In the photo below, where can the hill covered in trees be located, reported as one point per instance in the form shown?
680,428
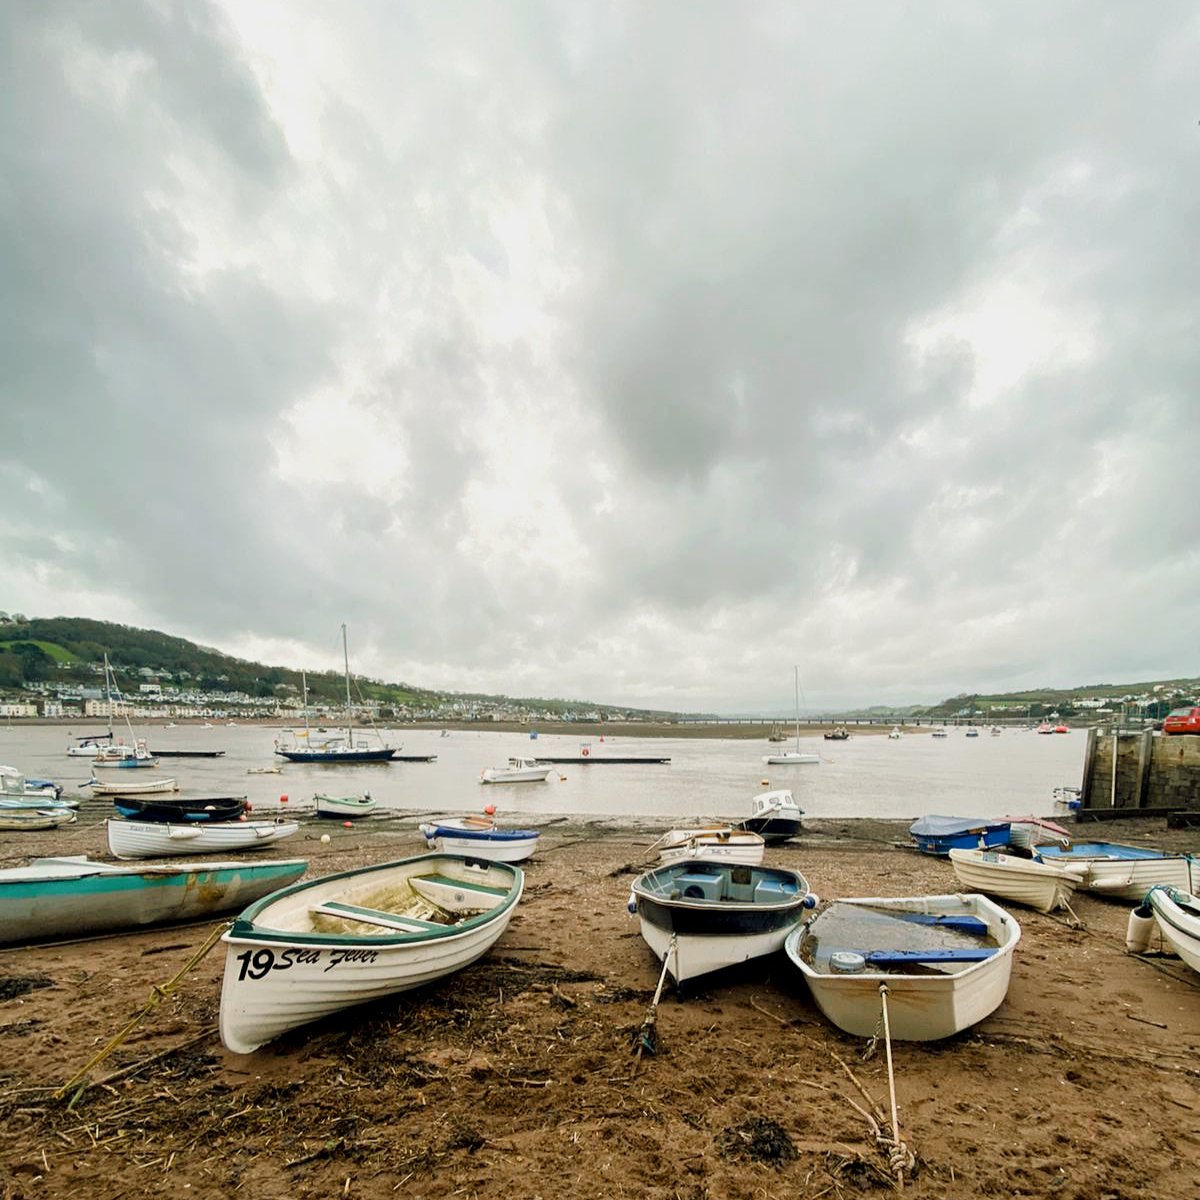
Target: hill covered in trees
60,649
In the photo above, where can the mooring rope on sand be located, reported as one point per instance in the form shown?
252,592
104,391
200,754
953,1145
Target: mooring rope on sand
157,993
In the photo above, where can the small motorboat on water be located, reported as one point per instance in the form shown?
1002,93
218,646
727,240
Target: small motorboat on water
701,915
325,945
841,734
519,770
944,962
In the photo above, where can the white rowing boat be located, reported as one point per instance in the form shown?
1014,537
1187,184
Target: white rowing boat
159,839
713,842
319,947
1044,886
945,960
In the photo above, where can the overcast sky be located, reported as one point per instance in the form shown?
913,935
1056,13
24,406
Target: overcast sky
621,351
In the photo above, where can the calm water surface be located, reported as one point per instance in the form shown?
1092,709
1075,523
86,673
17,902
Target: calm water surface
868,776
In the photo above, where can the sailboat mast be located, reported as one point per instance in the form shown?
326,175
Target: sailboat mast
796,672
346,662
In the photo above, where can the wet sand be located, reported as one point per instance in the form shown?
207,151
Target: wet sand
516,1077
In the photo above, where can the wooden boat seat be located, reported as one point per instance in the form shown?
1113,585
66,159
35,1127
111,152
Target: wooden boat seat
897,958
374,916
461,886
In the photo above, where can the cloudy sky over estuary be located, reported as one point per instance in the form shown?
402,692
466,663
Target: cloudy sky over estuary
622,351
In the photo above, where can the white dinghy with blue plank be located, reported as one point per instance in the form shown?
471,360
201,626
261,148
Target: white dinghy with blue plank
703,915
67,897
945,961
939,835
328,944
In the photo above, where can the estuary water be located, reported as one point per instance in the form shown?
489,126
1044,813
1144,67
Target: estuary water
867,776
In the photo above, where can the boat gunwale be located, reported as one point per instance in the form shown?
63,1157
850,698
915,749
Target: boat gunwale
703,904
791,946
244,930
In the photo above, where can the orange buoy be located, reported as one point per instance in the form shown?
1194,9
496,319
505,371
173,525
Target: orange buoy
348,824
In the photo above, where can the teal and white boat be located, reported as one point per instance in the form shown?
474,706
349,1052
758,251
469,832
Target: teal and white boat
61,897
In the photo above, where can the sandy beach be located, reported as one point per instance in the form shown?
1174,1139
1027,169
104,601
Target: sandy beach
516,1076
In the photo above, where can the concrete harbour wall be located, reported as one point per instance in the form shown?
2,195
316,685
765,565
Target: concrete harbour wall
1151,772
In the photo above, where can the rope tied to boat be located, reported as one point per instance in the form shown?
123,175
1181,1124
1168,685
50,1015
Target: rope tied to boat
900,1157
646,1038
158,992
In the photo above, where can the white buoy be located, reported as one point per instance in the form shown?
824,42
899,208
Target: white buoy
1139,930
325,838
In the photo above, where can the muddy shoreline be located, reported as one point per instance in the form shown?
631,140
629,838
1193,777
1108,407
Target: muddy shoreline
516,1076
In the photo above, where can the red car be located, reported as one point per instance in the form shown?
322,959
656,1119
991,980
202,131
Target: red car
1182,720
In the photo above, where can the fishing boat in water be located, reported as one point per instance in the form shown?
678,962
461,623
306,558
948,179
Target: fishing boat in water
943,961
702,915
66,897
322,946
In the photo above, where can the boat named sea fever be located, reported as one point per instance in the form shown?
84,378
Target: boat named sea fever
945,960
704,915
939,835
480,837
60,897
319,947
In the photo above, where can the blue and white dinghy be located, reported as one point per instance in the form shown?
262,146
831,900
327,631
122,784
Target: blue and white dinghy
939,835
945,960
66,897
702,915
1120,871
327,944
480,837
